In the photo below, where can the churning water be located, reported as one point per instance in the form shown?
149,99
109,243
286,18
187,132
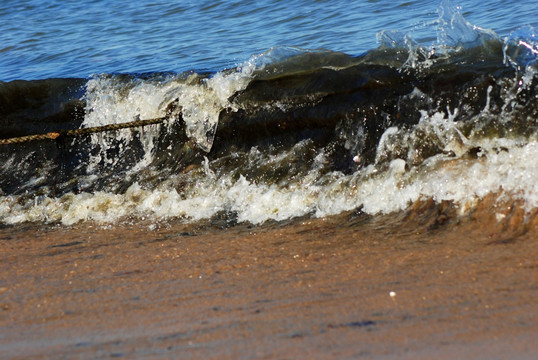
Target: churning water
271,109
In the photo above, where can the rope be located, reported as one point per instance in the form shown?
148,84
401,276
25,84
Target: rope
81,132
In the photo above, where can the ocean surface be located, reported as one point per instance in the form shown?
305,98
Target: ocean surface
264,110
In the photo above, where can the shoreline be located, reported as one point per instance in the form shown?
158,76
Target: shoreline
420,284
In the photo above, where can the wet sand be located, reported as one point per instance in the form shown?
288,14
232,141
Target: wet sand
422,284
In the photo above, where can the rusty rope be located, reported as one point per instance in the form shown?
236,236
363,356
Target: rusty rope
81,132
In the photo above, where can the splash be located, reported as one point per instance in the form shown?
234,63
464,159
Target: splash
199,99
294,132
454,34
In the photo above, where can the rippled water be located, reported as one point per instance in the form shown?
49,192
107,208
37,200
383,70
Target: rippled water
44,39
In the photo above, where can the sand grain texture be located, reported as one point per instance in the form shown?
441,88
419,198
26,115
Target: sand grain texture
421,284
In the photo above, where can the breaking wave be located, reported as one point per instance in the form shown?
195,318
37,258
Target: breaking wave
288,133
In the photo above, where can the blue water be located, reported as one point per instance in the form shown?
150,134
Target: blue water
67,38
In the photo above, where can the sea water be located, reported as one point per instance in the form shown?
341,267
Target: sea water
271,110
46,39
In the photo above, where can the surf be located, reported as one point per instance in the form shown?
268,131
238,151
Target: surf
287,133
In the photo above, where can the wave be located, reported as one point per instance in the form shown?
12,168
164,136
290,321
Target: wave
288,133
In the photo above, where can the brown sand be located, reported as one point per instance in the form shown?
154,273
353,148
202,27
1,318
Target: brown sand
462,287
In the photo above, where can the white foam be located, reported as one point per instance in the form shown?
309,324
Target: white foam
461,181
503,166
111,100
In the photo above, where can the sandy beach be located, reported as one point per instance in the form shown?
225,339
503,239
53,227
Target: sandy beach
269,180
422,284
